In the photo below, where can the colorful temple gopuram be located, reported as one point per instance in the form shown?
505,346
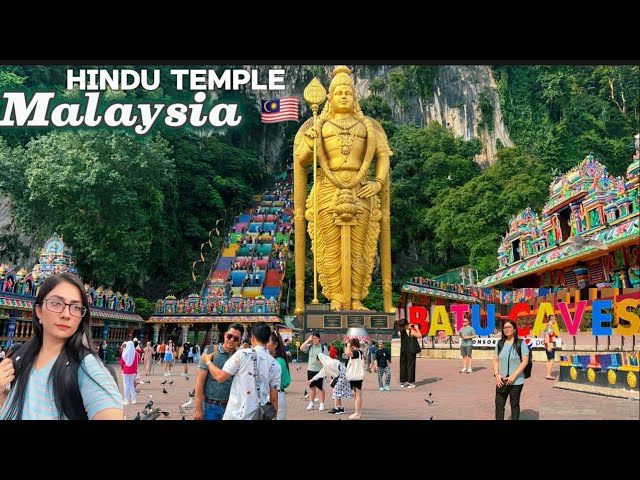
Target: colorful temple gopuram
585,236
244,284
113,316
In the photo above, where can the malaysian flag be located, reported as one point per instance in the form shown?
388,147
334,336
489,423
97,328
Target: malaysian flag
279,110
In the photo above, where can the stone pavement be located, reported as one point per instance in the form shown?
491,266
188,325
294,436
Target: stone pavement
456,396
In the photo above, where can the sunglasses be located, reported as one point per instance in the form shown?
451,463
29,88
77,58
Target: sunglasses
232,337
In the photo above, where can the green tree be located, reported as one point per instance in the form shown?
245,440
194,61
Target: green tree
470,220
104,191
426,162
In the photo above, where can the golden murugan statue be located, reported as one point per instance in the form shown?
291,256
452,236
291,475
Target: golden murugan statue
352,203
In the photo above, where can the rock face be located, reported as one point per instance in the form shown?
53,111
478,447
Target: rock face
459,92
16,250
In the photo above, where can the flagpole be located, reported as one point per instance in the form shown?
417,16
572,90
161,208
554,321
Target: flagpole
315,94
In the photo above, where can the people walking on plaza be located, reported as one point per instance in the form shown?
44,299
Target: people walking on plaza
211,397
160,349
467,334
371,355
184,358
148,359
407,359
341,386
354,354
276,349
508,369
247,382
129,363
381,361
57,375
549,344
312,345
168,357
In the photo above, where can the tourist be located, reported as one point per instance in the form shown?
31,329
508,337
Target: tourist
58,362
467,334
312,345
211,396
549,344
508,370
276,349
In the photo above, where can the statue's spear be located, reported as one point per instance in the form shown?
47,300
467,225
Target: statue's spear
314,95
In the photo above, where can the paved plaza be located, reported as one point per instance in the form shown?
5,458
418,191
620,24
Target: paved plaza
456,396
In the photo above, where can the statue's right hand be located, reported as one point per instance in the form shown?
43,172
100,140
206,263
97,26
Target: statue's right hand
310,135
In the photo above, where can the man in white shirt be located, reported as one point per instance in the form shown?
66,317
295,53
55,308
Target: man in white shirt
244,397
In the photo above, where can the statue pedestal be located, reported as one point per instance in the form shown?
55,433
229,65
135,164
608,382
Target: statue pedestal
333,324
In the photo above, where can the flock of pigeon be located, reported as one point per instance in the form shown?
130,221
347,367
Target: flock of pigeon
150,413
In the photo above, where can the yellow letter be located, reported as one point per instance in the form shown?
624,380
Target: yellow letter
624,314
544,309
440,321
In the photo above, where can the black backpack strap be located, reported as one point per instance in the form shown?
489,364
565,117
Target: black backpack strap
500,345
519,348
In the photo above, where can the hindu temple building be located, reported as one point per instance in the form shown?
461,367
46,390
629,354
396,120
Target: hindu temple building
583,245
113,316
244,283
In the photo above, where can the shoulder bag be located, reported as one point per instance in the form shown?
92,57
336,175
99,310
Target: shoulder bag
355,368
264,412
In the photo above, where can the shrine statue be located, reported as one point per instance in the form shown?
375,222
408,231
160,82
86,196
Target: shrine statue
351,197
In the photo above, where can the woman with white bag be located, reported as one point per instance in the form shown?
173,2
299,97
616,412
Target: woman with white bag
355,373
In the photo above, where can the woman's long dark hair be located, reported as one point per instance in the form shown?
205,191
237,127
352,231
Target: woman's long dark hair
64,373
277,339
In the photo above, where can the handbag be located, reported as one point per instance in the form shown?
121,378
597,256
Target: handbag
267,411
355,368
334,381
414,346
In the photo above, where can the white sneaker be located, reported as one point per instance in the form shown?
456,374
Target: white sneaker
402,385
321,408
133,402
387,388
469,370
463,370
125,402
381,389
411,385
310,406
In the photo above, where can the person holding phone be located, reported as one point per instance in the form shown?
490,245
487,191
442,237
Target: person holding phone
407,359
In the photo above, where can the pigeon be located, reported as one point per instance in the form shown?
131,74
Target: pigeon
581,242
192,393
164,390
149,405
183,418
430,418
137,417
188,404
429,393
171,382
162,383
181,410
152,415
186,378
166,414
429,402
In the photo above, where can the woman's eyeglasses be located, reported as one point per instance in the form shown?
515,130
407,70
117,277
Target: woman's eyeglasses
57,306
232,337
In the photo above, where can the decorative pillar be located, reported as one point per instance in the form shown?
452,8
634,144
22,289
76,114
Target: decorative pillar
185,330
156,332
